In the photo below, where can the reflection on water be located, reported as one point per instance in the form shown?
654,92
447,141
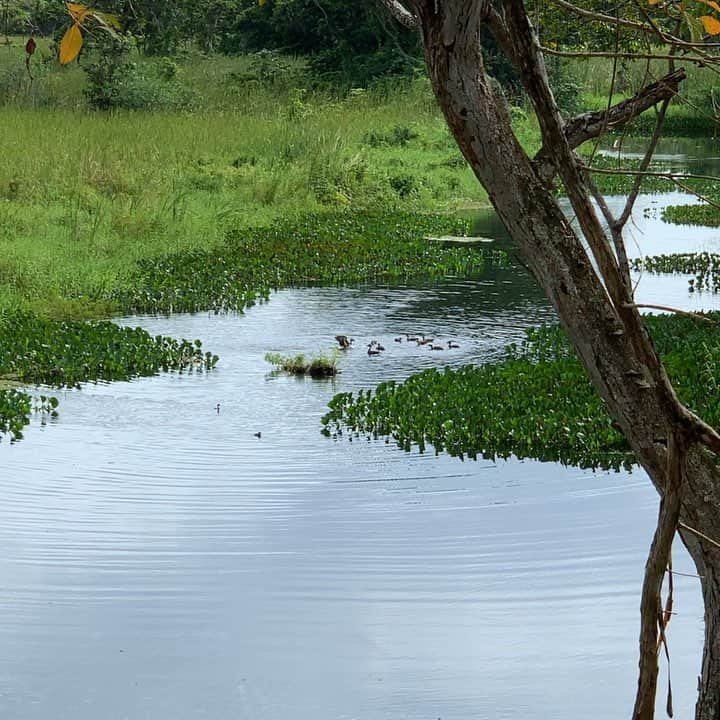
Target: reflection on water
700,156
160,561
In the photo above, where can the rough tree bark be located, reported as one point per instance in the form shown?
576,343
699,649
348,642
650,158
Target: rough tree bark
589,288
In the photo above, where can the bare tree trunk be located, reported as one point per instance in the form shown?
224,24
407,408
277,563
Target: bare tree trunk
599,314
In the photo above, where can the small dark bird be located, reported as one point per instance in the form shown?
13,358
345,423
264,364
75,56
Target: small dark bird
452,345
344,341
398,339
411,338
217,408
437,347
372,350
257,434
379,346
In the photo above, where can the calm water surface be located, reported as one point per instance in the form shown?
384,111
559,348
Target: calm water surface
160,561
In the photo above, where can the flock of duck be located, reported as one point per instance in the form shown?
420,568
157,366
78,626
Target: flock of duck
375,348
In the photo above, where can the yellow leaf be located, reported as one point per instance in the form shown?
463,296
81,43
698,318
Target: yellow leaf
711,3
711,25
78,12
70,44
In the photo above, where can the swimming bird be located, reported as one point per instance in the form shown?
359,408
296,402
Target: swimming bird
437,347
344,341
372,350
398,339
452,345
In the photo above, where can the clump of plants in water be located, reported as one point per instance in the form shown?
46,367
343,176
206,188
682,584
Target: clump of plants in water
321,366
553,412
706,215
15,409
39,351
705,266
318,248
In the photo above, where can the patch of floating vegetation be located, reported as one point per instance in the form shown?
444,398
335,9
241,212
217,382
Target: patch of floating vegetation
331,248
704,266
39,351
706,215
322,365
15,409
536,403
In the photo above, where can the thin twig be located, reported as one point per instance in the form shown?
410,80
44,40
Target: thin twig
586,54
666,308
699,534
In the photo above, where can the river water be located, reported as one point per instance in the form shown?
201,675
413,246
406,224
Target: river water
161,561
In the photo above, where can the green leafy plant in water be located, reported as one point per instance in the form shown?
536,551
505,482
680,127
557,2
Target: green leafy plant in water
40,351
705,215
704,266
311,249
551,413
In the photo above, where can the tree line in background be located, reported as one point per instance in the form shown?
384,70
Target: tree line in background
344,40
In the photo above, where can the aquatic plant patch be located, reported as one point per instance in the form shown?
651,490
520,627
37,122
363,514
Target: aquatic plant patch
35,350
705,215
311,249
704,266
39,351
15,410
536,403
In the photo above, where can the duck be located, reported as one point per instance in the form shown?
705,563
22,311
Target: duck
372,350
437,347
452,345
344,341
398,339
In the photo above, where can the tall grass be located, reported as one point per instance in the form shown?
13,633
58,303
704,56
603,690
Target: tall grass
84,195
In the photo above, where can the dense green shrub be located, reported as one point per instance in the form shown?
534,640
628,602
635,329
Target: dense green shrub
115,81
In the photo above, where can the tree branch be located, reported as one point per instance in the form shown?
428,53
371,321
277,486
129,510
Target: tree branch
701,60
590,125
651,609
401,13
633,25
